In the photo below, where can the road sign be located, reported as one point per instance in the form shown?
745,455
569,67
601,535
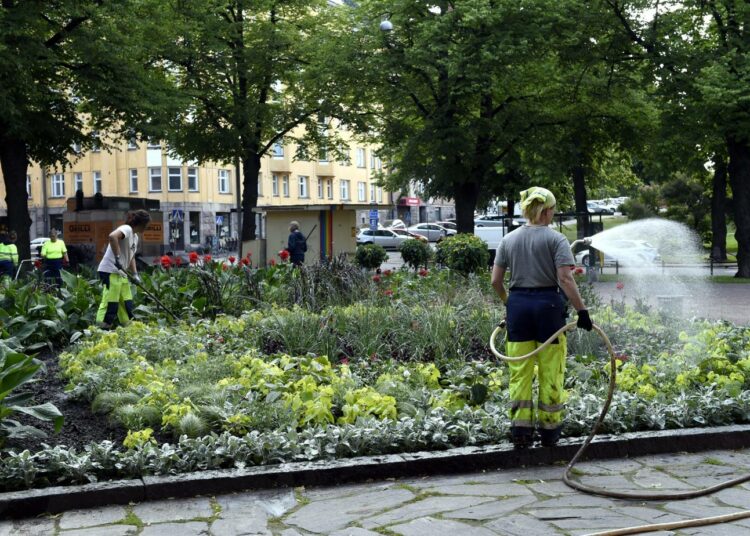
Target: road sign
373,218
219,220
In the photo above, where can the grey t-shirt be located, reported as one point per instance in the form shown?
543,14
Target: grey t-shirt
532,255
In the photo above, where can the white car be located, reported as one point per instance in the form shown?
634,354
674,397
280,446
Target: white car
629,252
451,226
432,231
36,245
597,208
382,237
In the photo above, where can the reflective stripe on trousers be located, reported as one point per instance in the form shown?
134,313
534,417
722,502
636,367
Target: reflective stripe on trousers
550,365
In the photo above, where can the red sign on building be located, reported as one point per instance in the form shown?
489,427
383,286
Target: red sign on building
409,201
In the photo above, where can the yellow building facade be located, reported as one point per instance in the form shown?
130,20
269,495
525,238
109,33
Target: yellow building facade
200,201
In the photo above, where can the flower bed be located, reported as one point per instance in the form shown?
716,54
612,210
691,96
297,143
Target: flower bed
405,368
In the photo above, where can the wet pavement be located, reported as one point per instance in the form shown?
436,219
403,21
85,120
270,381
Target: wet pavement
518,502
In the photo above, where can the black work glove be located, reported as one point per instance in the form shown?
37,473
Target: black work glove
584,320
118,264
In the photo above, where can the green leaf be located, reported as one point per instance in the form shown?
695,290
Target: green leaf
44,412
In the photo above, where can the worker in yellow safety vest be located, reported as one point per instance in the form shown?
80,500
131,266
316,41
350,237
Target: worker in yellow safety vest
8,254
540,263
54,254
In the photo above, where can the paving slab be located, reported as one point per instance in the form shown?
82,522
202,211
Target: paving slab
173,510
428,526
176,529
111,530
521,525
486,490
423,508
27,527
492,509
91,517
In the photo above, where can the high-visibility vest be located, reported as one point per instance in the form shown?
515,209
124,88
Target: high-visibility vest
53,250
9,252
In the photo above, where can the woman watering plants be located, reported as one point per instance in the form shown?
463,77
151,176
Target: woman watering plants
54,254
539,261
117,298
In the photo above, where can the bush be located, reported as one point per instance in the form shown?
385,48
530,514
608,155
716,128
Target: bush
370,256
415,252
464,253
636,210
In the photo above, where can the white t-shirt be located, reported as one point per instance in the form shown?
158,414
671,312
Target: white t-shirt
128,247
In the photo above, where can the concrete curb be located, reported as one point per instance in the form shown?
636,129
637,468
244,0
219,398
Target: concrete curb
453,461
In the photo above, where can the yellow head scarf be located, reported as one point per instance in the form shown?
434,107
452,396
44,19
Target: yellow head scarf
537,193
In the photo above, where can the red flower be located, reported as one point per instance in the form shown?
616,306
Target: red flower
206,258
231,259
166,262
572,268
376,278
388,293
622,357
224,266
283,254
344,360
620,285
37,264
193,257
387,273
178,261
245,261
272,262
423,272
579,270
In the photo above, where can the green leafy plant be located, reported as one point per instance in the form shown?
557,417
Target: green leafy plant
463,253
415,253
17,369
370,256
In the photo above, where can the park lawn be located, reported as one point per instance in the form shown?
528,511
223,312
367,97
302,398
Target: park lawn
570,229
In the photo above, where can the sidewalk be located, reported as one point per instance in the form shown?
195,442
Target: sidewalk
521,502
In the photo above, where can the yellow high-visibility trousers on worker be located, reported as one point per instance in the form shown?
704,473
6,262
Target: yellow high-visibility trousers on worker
547,413
117,299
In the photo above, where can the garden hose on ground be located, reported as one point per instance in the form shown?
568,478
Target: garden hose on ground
567,478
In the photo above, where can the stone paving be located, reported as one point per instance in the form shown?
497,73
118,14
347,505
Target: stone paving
520,502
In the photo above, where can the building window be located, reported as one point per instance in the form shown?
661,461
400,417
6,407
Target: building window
303,192
95,144
133,181
76,148
132,144
260,184
360,157
154,184
153,144
329,188
223,181
28,186
372,192
344,160
275,185
78,180
378,163
323,155
175,179
380,195
320,187
58,185
97,182
372,160
278,150
361,191
285,185
344,190
192,176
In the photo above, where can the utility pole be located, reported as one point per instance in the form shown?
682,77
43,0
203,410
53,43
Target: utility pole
238,188
45,207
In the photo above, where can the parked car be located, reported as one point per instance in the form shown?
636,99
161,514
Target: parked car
596,208
408,234
450,225
387,238
633,252
394,224
432,231
36,245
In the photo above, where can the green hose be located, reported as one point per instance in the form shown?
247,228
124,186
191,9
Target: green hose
567,477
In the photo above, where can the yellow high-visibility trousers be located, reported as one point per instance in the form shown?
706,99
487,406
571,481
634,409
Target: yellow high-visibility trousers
117,300
550,368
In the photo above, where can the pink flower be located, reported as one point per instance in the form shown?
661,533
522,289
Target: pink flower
283,254
344,360
272,262
579,270
622,357
388,293
620,285
423,272
388,273
245,261
193,257
231,259
376,278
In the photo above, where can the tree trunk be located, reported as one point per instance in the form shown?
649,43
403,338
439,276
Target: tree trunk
466,197
250,170
15,162
718,210
579,192
739,178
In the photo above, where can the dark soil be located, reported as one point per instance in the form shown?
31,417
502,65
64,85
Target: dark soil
81,425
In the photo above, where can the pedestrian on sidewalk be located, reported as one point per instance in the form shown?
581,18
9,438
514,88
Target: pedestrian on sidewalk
8,254
540,263
296,244
117,297
54,255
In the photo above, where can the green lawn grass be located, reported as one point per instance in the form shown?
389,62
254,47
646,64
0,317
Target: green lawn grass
570,229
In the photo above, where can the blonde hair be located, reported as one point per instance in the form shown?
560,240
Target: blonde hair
536,200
